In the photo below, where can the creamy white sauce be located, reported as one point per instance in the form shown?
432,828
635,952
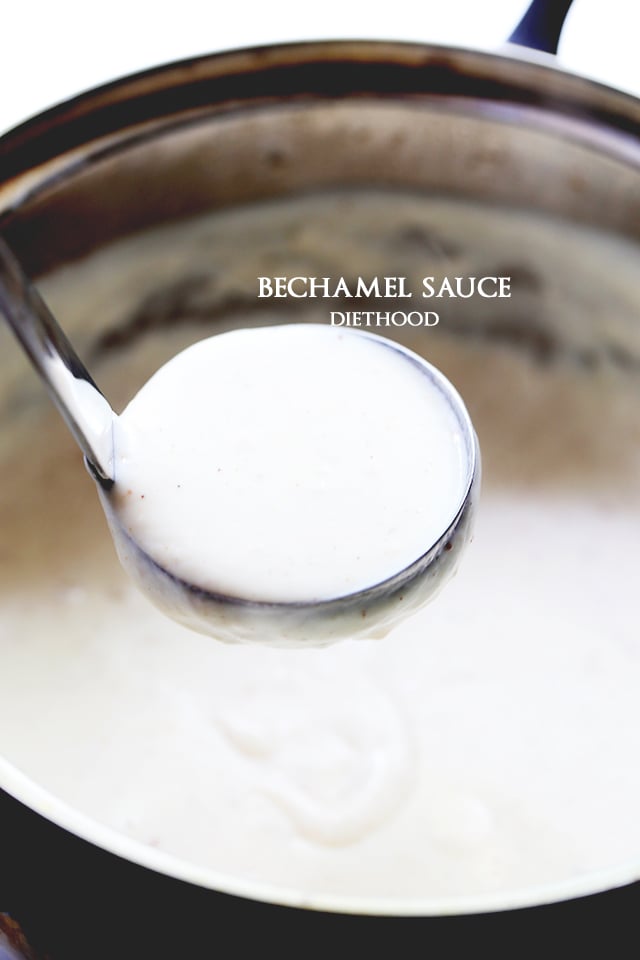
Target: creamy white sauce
488,746
265,464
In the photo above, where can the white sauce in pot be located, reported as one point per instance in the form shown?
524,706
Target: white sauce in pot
488,746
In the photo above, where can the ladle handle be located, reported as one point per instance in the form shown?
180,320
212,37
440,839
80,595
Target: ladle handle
84,408
541,25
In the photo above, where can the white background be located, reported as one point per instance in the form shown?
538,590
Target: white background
53,49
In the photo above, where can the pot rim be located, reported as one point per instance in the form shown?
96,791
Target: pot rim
40,800
261,75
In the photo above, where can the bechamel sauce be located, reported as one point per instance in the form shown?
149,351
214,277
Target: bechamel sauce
265,463
488,746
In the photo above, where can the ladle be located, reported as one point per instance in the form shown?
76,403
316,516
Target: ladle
84,408
370,611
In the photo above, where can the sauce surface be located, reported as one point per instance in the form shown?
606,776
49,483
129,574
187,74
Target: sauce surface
488,747
266,463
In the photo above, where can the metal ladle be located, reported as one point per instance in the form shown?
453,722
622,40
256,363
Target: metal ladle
368,612
85,409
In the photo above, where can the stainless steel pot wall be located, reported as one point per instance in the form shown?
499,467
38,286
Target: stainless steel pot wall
238,128
235,128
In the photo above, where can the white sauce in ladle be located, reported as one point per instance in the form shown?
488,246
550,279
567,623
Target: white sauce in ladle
264,465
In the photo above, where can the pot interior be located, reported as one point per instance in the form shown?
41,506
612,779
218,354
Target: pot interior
477,758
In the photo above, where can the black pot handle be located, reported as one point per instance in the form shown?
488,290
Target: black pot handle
541,25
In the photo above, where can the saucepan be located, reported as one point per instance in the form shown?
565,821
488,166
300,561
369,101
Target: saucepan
308,158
